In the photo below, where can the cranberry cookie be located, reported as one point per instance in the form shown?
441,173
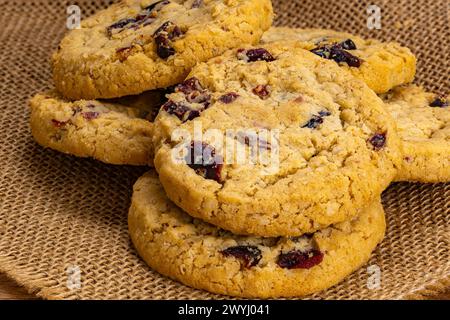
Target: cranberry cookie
206,257
325,145
109,132
423,122
381,65
139,45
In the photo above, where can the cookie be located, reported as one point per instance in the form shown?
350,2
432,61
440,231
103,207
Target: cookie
380,65
109,132
206,257
134,45
312,144
423,123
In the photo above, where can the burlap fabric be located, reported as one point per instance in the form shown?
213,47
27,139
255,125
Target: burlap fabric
59,212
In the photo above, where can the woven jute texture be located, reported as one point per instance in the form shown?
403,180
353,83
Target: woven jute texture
60,214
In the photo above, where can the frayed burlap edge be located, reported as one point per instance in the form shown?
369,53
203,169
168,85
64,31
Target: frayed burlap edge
36,283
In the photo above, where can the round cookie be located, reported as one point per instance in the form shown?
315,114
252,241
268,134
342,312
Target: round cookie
326,146
381,65
423,123
135,45
109,132
206,257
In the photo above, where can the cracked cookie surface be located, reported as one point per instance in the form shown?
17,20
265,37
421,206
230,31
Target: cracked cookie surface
109,132
382,65
206,257
134,46
423,123
336,149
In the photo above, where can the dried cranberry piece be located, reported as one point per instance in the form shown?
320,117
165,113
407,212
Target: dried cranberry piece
163,47
203,159
59,124
181,110
316,120
249,255
194,91
90,115
439,102
145,17
164,28
347,44
324,113
337,53
189,85
378,141
148,14
262,91
344,56
175,33
166,32
202,97
119,25
300,260
259,54
323,52
228,97
160,4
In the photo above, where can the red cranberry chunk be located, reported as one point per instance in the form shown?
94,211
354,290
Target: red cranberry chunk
262,91
300,260
324,113
337,53
163,36
202,97
194,91
248,255
316,120
169,29
189,85
163,47
203,160
157,5
181,110
378,141
90,115
346,57
228,98
120,25
259,54
59,124
347,44
439,102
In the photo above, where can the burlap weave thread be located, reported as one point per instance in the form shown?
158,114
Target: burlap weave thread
59,212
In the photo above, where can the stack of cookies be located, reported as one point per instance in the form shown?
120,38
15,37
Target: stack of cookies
271,146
